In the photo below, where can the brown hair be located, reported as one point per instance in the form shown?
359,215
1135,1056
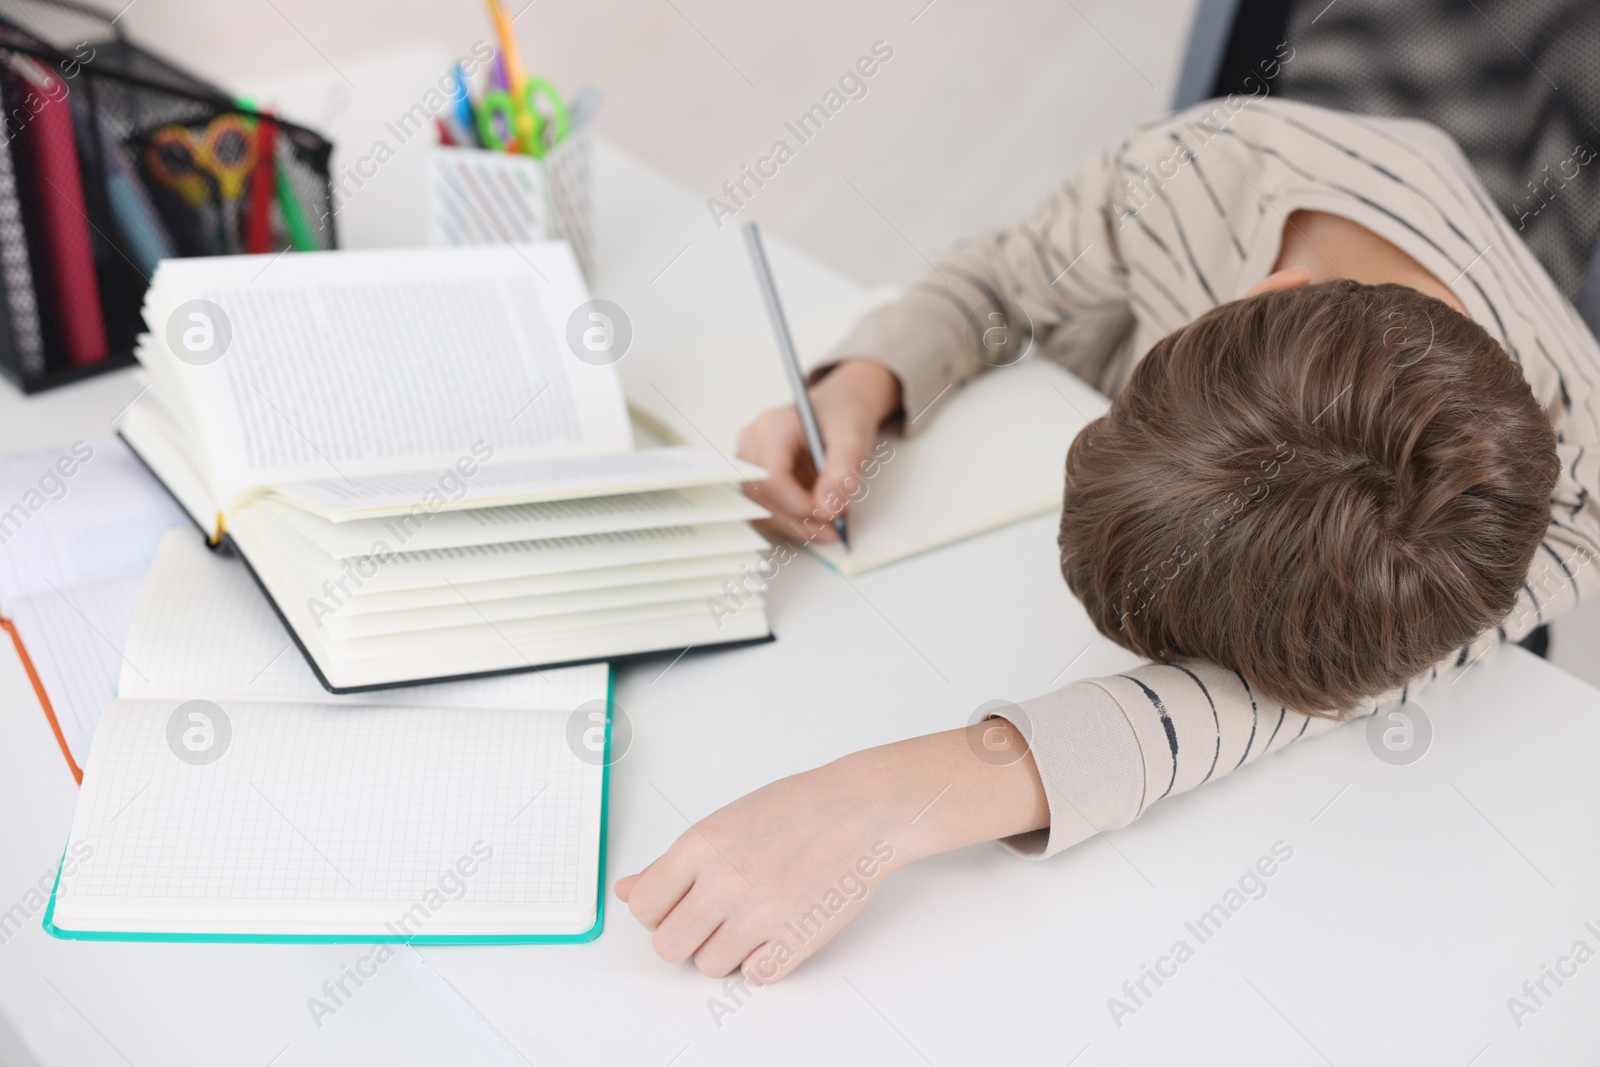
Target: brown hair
1327,489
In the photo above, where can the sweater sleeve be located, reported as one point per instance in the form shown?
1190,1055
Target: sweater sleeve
1108,748
1055,280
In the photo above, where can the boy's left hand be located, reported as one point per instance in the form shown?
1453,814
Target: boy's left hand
763,883
766,881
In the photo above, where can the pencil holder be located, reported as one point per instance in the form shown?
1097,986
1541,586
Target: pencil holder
476,196
112,159
570,168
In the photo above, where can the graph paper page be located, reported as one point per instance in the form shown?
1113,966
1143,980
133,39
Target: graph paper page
334,820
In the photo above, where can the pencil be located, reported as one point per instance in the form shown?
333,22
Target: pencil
791,361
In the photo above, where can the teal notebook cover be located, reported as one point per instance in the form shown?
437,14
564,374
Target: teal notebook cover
376,939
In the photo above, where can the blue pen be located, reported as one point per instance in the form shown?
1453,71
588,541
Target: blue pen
464,116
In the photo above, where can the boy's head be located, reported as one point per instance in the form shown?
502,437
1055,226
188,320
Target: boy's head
1327,489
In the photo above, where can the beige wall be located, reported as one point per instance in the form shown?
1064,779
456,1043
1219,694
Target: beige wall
982,107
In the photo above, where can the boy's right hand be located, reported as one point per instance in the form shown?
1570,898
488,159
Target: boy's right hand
851,403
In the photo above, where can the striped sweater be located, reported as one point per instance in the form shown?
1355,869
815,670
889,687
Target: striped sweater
1181,215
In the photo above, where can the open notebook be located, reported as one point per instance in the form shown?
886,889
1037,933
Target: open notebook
227,797
993,454
74,550
421,473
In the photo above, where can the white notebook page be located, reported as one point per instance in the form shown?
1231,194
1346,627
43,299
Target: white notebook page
105,519
70,571
995,453
321,819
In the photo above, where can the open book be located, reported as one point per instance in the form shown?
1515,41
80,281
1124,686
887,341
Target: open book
228,797
420,472
993,454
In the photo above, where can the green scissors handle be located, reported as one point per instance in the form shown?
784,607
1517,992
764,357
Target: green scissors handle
508,124
552,125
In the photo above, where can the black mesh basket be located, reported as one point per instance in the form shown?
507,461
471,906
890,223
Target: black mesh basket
112,159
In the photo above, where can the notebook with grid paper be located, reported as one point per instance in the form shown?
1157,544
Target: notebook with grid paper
227,797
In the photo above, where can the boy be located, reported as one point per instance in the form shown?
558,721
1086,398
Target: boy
1353,431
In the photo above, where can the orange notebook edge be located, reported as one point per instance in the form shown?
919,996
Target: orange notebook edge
44,698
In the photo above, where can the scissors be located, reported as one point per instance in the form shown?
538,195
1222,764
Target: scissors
510,120
220,157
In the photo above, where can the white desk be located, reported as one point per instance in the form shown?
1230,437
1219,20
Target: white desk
1415,903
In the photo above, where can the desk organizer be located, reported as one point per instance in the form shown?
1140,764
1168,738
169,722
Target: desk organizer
112,159
476,196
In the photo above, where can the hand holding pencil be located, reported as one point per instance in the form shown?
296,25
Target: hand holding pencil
850,404
813,449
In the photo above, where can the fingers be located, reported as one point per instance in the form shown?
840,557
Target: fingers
804,507
728,947
656,890
776,958
847,443
776,443
688,926
688,922
768,962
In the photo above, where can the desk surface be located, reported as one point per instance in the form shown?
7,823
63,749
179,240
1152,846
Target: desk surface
1416,901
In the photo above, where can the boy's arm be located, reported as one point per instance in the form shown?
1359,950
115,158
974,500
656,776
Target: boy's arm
1057,278
762,883
1107,748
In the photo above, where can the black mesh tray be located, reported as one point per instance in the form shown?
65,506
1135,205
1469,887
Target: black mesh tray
110,158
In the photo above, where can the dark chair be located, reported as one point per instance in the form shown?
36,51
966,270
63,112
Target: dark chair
1515,82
